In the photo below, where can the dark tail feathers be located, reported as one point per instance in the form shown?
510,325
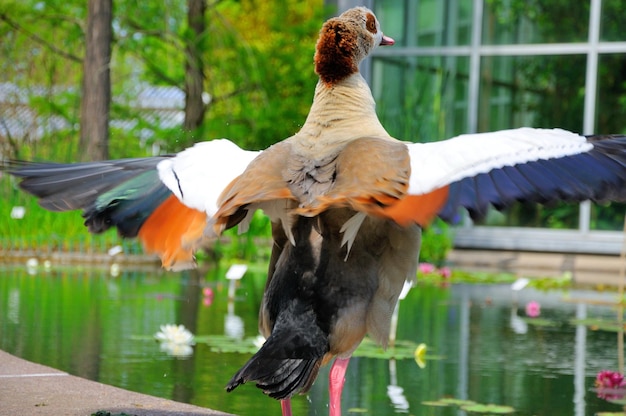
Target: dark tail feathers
289,360
278,378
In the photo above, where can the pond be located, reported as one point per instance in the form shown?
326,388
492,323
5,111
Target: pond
480,344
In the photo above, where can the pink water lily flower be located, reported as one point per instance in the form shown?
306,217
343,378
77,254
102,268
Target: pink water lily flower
533,309
445,272
426,268
610,385
608,378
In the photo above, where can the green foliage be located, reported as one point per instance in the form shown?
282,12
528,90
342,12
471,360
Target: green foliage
262,84
436,243
258,59
252,246
259,75
42,230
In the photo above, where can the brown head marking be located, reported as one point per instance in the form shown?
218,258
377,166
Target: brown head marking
334,56
370,24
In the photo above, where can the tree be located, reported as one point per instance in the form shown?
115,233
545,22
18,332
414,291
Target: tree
252,58
194,66
40,71
96,98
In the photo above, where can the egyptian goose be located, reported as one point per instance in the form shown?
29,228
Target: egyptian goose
347,203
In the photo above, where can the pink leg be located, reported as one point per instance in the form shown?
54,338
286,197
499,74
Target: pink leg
335,384
285,407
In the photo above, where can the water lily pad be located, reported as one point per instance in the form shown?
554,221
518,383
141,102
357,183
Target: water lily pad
541,322
615,400
448,401
402,350
487,409
600,324
458,402
471,406
438,403
368,348
223,343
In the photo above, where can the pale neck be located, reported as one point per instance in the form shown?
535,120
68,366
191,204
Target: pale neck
341,112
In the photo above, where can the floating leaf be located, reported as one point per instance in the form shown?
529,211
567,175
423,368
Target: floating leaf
471,406
600,324
487,408
541,322
401,350
368,348
457,402
438,403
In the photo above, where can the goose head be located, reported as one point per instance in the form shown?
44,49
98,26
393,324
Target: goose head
345,41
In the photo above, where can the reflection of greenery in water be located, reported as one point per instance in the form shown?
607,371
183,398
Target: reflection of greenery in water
86,322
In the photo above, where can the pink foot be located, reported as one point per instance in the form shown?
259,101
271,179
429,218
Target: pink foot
335,384
285,407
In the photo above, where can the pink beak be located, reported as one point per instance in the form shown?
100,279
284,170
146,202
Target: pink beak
387,41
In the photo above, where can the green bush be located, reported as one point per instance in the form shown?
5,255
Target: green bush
436,243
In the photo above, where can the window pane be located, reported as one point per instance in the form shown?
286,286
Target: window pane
610,119
611,103
422,99
535,21
613,23
427,22
538,91
558,216
607,216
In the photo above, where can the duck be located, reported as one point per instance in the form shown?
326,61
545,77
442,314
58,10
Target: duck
347,204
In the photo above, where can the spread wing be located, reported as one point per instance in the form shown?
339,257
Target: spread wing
165,201
475,171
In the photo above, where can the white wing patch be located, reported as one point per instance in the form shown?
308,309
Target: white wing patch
437,164
199,174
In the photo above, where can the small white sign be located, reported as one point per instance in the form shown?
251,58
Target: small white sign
17,213
236,271
115,250
520,283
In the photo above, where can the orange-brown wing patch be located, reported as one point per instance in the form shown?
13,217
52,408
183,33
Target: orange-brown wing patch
173,231
421,209
373,177
261,181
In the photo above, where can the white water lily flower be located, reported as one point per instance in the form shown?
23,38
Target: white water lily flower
177,334
176,350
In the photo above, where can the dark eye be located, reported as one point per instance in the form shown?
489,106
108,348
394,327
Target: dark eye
371,23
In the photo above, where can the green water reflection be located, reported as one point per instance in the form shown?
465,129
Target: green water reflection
86,322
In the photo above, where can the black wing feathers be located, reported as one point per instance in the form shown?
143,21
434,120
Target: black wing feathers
120,193
598,175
